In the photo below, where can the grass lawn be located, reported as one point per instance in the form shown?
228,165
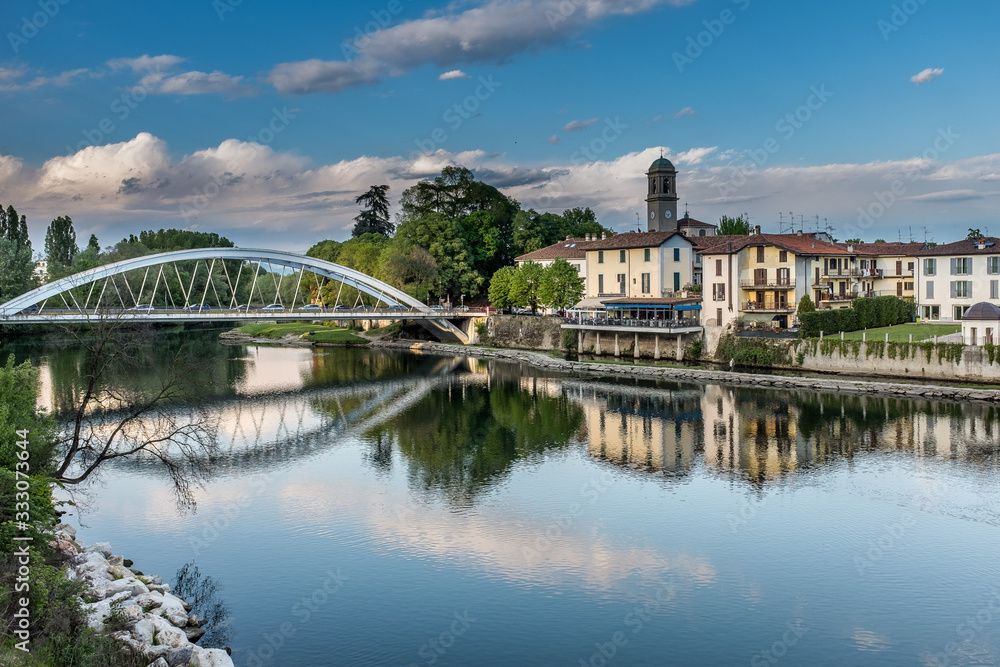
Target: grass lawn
900,333
322,334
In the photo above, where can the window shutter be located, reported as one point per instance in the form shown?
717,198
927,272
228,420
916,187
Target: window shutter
954,266
954,287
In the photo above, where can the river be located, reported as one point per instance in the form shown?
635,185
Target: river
374,507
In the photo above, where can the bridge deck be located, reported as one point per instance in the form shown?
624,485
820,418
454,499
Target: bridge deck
47,317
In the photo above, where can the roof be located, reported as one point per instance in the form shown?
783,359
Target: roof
703,242
878,249
568,249
800,245
661,164
691,222
964,247
635,240
982,311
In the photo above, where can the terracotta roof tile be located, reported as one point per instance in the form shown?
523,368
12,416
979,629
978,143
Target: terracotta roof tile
895,248
800,245
568,249
634,240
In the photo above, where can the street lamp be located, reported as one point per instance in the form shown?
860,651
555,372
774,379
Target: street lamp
462,298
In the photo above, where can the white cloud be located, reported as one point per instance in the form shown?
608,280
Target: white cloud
260,197
200,83
554,139
453,74
146,63
927,75
12,80
492,32
577,125
686,111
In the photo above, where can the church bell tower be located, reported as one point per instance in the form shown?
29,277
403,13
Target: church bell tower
661,196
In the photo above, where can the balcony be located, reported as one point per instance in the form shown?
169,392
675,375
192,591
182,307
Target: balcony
769,284
767,306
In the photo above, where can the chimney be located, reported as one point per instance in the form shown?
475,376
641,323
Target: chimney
850,247
567,237
604,235
799,233
757,228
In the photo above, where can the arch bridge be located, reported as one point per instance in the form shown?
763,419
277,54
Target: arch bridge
223,284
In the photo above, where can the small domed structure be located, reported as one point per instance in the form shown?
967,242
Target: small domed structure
980,324
661,164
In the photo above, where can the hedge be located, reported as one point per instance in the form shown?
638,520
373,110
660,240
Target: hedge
864,313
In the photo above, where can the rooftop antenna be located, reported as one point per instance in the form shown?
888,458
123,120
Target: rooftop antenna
911,233
925,234
686,210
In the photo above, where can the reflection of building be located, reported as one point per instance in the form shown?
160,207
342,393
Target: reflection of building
650,428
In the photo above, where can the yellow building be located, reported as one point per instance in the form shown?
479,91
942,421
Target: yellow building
640,265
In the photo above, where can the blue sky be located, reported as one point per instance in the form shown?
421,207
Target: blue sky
263,120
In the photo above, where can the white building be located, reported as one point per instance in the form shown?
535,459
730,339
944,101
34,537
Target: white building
952,277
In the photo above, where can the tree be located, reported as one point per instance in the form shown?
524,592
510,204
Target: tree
525,286
578,222
974,234
60,242
561,286
17,270
879,240
408,267
854,241
443,238
116,416
500,287
806,304
93,245
14,228
374,218
738,226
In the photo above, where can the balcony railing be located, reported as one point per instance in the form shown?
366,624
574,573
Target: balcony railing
768,284
685,323
767,307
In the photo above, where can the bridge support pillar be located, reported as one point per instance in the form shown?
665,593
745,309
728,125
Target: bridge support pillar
597,347
635,350
680,347
579,341
618,351
656,348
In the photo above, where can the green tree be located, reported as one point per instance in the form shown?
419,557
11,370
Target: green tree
444,239
14,228
806,304
974,234
93,245
374,217
578,222
561,286
408,267
525,286
854,241
500,287
738,226
879,240
17,270
60,242
327,250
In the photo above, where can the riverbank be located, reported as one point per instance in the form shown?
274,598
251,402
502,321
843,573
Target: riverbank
832,384
136,610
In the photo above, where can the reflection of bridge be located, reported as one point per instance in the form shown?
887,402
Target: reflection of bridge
132,290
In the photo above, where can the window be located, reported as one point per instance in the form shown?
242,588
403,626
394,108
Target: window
718,267
961,289
701,232
621,256
899,288
993,265
932,313
908,286
600,284
677,281
960,312
995,289
929,289
784,277
719,292
760,254
621,283
718,311
930,267
909,267
645,255
677,254
961,266
600,257
899,268
760,276
645,283
783,256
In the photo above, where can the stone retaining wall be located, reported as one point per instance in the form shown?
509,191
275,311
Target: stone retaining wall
832,384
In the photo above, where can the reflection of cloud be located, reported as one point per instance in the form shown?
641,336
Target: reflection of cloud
866,640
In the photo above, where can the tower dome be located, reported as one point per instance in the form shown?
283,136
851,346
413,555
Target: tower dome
661,164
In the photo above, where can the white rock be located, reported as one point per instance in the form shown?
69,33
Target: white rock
66,529
159,662
130,584
144,630
211,657
132,613
102,548
177,620
98,612
151,600
159,588
120,572
171,636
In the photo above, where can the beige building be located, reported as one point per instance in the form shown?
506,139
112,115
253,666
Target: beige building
950,278
640,265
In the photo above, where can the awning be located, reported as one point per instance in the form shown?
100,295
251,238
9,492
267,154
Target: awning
692,306
589,304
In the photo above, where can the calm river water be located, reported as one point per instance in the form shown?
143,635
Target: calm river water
382,508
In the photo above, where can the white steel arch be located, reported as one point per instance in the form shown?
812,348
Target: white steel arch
356,279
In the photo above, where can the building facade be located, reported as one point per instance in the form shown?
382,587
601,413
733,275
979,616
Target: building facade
950,278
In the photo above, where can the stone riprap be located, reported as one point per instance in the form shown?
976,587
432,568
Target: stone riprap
135,609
